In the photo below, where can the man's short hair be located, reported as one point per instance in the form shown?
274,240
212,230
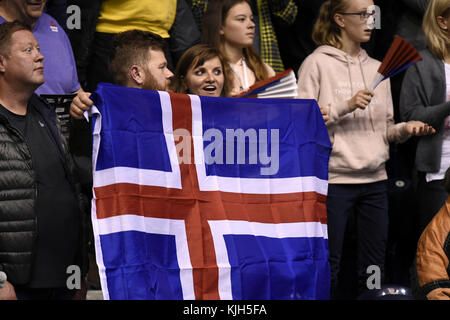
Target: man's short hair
6,31
132,48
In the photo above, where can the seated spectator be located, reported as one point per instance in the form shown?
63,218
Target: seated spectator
433,254
228,25
202,70
425,96
102,19
59,64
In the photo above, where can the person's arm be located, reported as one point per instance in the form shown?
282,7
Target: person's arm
402,131
309,88
414,104
80,104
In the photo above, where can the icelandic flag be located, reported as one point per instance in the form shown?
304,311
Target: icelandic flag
209,198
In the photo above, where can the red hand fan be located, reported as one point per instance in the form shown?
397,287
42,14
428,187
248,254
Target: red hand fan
400,56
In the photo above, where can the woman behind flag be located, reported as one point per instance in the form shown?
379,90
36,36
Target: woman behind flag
228,25
202,70
360,125
425,96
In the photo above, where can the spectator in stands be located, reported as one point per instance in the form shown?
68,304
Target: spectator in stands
202,71
228,25
433,254
425,96
59,64
102,19
137,61
42,213
360,124
266,11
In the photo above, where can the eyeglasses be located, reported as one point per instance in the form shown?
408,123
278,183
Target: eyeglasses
363,15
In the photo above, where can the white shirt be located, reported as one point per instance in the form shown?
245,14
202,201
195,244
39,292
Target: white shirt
445,155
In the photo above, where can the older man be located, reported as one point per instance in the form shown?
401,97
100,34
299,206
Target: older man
41,232
60,70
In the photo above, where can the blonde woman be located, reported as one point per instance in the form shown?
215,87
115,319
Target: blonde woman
360,125
425,96
228,25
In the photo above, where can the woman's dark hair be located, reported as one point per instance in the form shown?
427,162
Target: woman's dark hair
214,19
326,31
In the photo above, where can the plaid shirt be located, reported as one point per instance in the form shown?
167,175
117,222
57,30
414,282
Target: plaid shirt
283,9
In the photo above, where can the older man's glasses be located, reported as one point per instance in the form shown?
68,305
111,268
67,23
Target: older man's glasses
363,15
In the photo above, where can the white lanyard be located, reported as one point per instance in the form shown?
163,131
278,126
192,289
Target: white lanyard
244,86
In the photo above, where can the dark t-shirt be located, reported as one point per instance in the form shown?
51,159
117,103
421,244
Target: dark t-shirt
56,205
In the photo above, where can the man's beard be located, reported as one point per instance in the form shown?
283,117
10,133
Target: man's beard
151,83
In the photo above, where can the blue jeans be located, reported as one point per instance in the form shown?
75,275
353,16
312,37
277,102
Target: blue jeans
370,204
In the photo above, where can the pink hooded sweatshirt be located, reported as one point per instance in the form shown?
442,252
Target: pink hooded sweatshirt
360,139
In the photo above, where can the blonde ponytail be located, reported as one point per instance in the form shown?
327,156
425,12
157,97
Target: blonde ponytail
326,31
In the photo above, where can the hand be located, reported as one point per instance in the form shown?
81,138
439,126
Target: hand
325,116
80,104
418,128
360,100
8,292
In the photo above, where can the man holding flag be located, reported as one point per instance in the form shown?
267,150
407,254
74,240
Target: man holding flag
137,61
235,210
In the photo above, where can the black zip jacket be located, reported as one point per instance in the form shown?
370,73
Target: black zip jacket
18,222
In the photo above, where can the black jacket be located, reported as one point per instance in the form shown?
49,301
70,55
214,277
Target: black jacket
18,190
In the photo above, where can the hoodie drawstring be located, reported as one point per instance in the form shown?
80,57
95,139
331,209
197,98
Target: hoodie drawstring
365,85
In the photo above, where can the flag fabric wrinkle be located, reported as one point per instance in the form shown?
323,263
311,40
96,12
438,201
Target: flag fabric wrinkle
252,227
